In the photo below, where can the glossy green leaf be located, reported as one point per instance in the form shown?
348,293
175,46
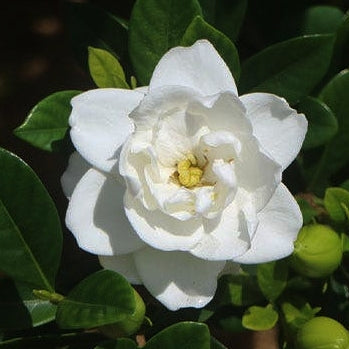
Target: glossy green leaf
47,123
296,314
184,335
272,278
215,344
20,309
30,231
155,27
322,124
121,343
102,298
321,20
238,290
337,203
259,318
335,95
287,68
90,25
199,29
105,69
225,15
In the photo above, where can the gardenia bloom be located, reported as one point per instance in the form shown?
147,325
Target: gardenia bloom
173,182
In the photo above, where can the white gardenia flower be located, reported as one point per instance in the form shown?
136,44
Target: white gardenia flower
172,182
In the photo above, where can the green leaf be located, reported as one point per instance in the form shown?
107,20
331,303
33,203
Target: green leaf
121,343
105,69
20,309
102,298
337,203
259,318
345,185
184,335
30,231
296,313
231,324
335,95
345,242
308,212
287,68
238,290
155,27
321,20
225,15
199,29
215,344
90,25
322,124
272,278
47,123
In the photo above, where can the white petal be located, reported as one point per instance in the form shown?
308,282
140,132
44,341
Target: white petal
100,124
160,230
199,67
177,279
96,216
226,236
77,167
279,129
279,224
123,265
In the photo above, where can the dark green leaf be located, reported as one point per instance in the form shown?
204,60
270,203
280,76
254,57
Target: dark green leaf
272,278
122,343
231,324
308,212
184,335
20,309
345,185
321,20
259,318
105,69
199,29
287,68
47,123
30,232
345,242
215,344
322,124
335,95
155,27
103,298
337,203
225,15
238,290
92,26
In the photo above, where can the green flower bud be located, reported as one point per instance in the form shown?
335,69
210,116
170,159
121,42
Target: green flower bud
322,333
318,251
128,325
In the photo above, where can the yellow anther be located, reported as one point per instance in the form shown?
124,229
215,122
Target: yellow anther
189,175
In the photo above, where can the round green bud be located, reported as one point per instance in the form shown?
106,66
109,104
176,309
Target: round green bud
130,324
322,333
317,251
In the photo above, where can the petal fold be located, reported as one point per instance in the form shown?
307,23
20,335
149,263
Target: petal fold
199,67
177,279
100,124
96,216
279,224
279,128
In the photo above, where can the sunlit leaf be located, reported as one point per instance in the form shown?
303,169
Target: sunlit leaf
259,319
337,203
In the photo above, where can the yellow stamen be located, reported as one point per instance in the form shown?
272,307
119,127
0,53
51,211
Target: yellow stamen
189,174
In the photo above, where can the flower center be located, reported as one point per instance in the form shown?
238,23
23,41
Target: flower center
189,173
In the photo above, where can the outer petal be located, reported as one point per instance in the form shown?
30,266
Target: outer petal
124,265
96,216
279,129
77,167
279,224
177,279
199,67
162,231
100,124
